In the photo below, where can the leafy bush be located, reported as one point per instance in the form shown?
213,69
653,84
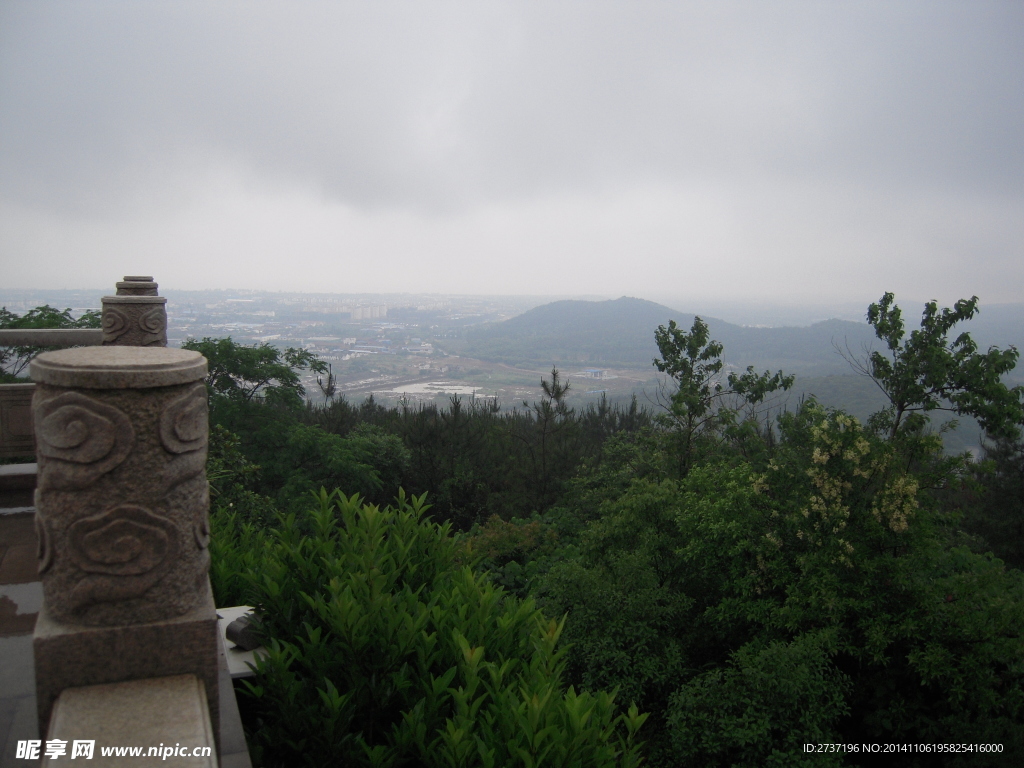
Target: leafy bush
819,598
513,552
233,479
761,707
385,650
312,458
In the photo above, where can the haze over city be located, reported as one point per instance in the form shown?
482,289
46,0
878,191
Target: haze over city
786,153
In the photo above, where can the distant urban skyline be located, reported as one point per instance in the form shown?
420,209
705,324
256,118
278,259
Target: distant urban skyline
739,312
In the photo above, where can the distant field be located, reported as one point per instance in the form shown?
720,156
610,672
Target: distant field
391,379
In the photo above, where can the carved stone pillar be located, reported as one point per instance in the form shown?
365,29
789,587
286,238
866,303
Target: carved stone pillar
136,316
122,516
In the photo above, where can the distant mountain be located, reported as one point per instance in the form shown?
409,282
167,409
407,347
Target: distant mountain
621,333
811,350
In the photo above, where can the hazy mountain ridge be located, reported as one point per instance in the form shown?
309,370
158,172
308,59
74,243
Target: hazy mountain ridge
621,333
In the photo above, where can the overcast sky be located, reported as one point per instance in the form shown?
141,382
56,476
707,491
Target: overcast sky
821,152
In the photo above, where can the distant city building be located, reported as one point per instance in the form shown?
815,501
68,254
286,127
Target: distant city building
375,312
331,306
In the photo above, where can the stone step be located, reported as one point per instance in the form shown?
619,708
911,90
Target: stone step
161,716
17,486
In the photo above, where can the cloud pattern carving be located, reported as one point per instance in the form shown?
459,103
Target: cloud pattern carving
115,324
152,323
82,439
124,550
184,428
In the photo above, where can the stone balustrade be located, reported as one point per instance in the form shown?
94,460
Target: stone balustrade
135,316
51,337
17,437
122,518
126,644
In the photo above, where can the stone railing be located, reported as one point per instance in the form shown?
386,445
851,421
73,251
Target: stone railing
122,518
126,644
51,337
135,316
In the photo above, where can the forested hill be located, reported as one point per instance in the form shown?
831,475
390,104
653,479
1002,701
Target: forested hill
621,333
573,331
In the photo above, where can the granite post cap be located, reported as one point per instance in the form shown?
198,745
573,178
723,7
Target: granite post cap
137,285
115,367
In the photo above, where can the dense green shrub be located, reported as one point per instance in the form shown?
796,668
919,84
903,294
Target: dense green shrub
513,552
816,600
994,504
761,707
385,650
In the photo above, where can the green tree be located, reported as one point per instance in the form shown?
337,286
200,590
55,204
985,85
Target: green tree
310,457
234,480
927,371
256,397
14,360
547,438
242,373
702,403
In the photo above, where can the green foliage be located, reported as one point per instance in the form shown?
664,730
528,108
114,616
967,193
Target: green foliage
477,461
762,706
994,505
311,457
237,512
14,360
514,552
385,453
234,480
816,596
702,403
474,459
753,590
548,439
292,456
256,397
628,621
240,372
927,371
385,651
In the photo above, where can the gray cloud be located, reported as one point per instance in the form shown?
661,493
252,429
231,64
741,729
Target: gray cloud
113,110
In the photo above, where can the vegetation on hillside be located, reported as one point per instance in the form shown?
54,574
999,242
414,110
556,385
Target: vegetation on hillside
706,584
750,584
